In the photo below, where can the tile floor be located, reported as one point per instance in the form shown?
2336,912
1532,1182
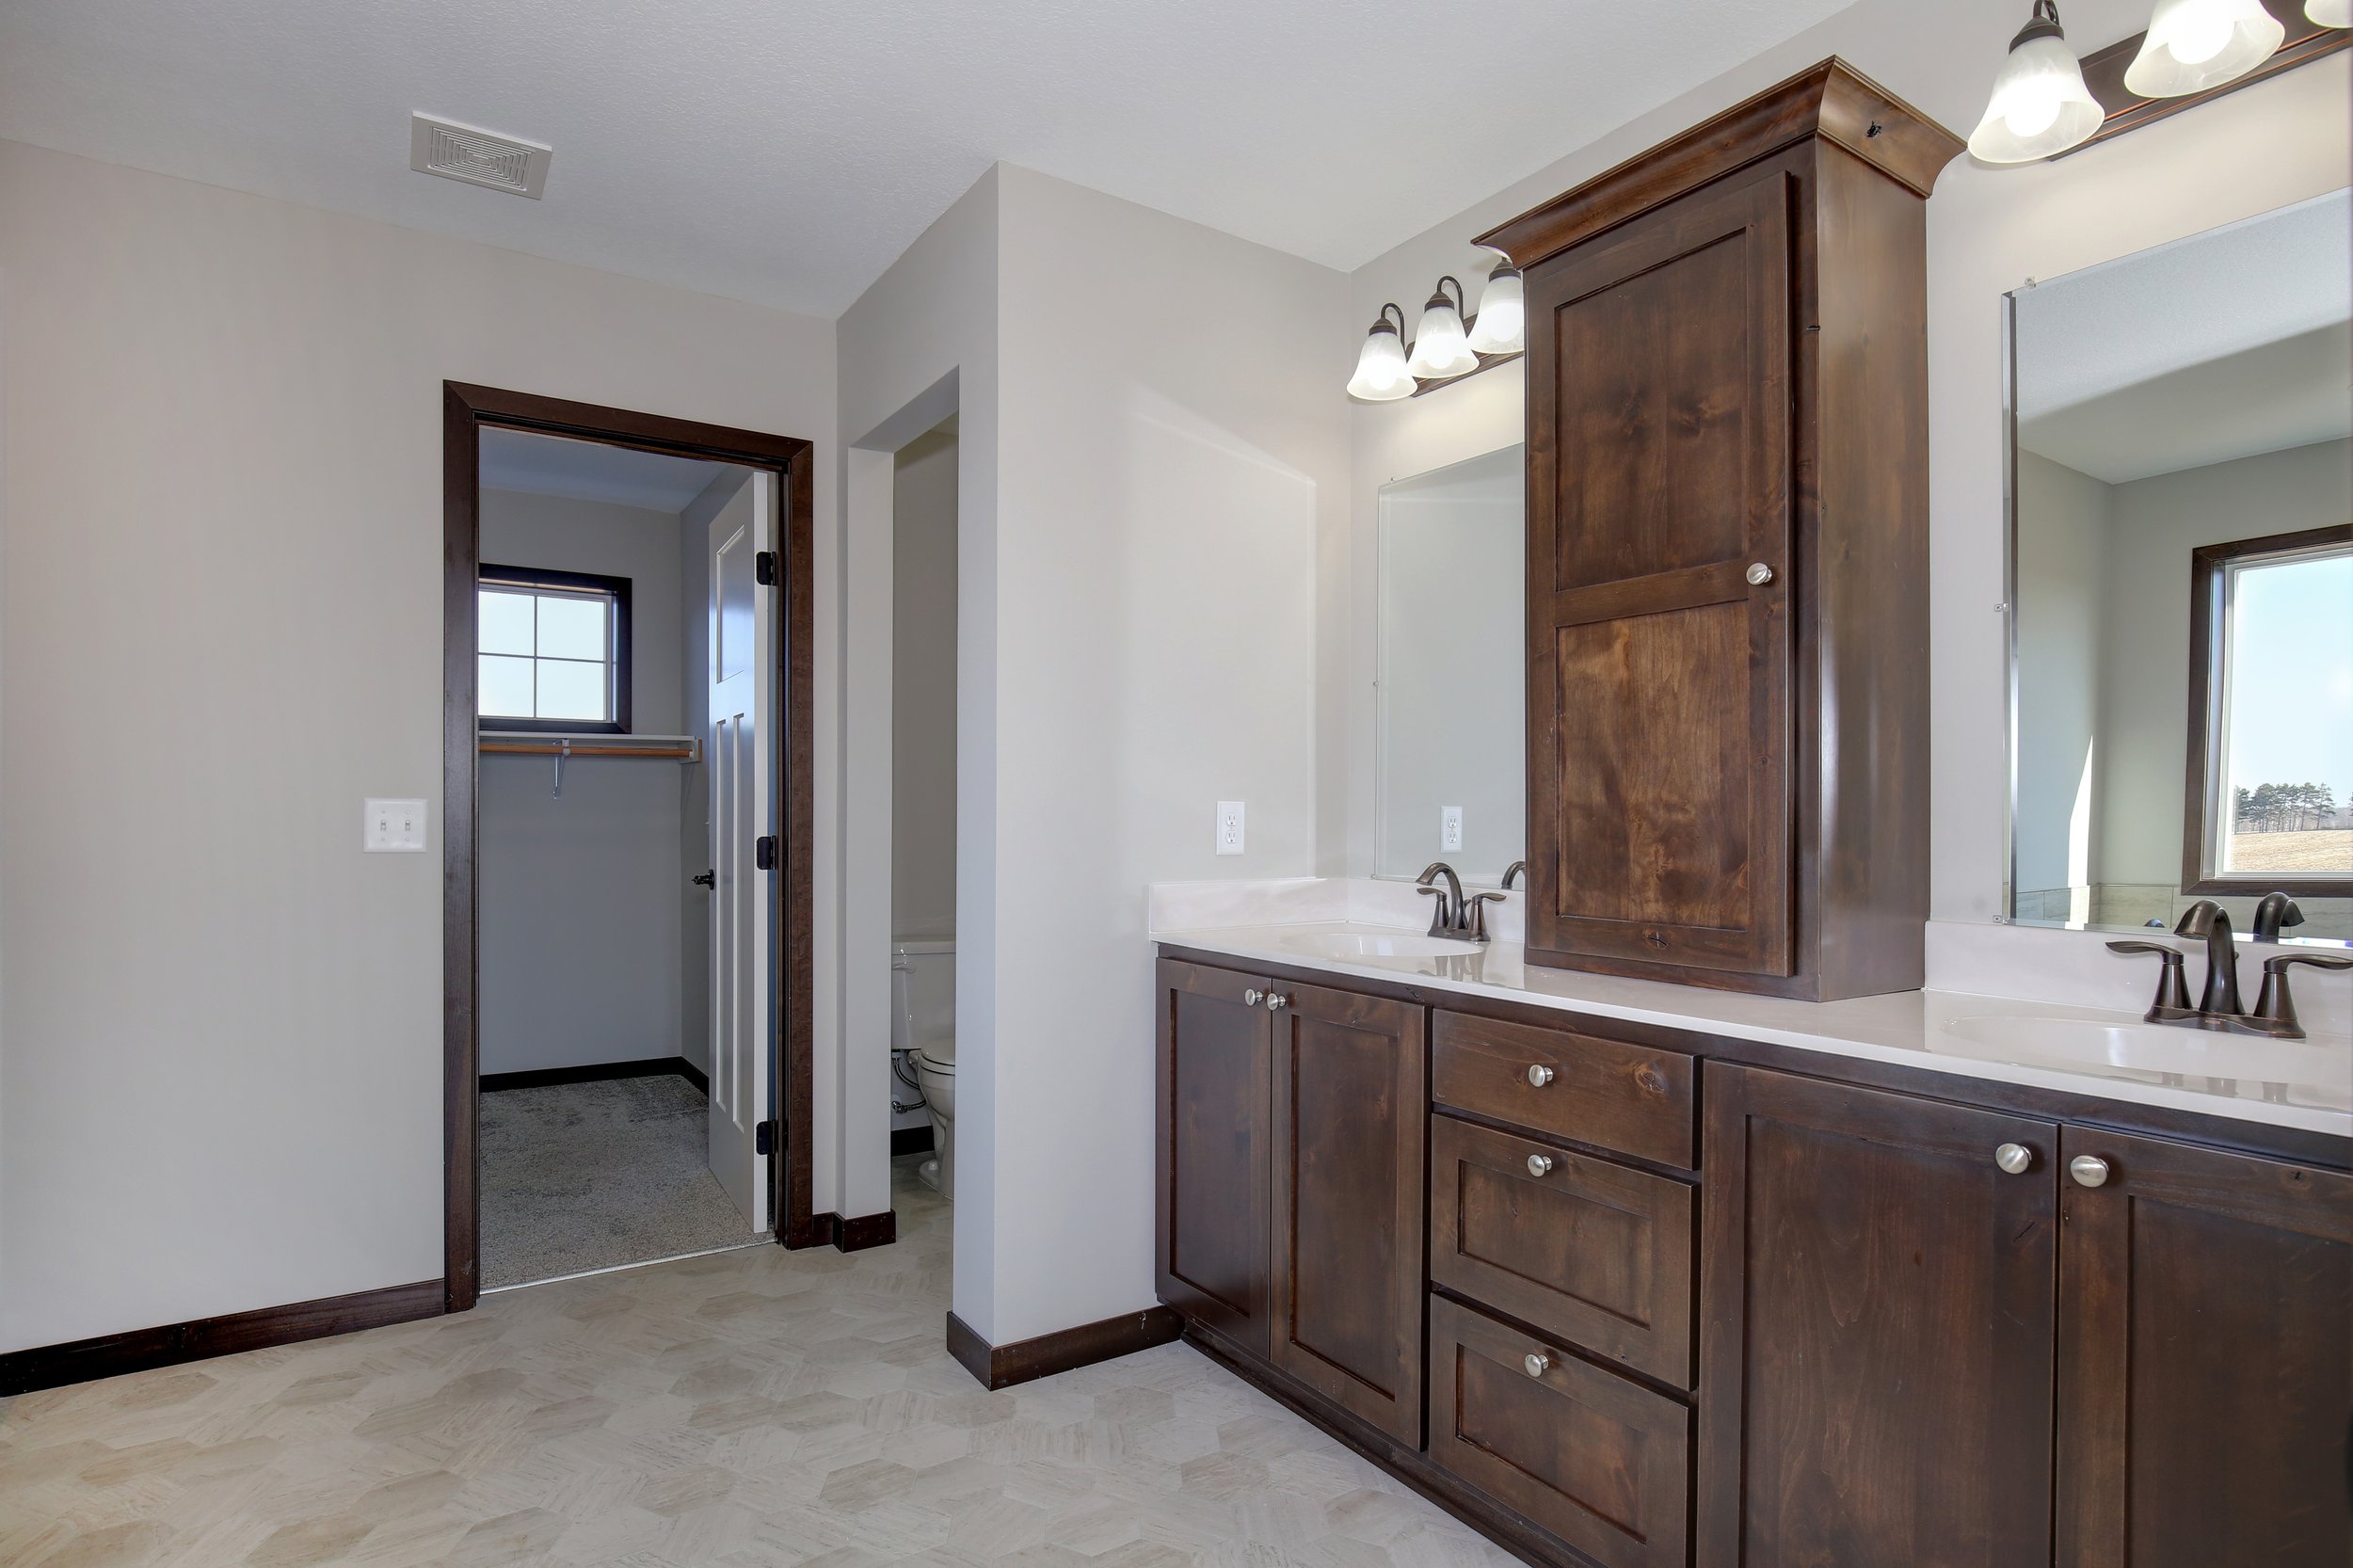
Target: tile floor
750,1408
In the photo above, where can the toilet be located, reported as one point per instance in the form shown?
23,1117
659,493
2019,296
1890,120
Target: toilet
923,1021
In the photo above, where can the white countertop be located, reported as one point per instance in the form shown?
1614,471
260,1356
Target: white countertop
2298,1083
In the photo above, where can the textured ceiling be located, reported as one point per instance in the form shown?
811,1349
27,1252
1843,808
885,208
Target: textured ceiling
788,154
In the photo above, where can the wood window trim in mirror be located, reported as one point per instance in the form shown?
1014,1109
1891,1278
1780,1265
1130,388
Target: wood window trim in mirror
2104,74
614,588
2201,777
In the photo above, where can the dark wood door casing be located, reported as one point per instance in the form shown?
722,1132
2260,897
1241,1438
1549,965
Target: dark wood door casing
2206,1359
1658,674
1351,1111
1878,1329
1214,1095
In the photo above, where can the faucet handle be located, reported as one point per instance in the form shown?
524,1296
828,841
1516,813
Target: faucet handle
2172,981
1475,913
2273,1004
1437,916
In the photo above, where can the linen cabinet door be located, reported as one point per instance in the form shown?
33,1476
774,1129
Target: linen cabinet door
2205,1358
1216,1155
1877,1331
1659,590
1351,1101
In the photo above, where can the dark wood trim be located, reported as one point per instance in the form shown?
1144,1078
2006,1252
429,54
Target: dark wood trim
2104,74
910,1139
2212,1130
597,1072
1063,1350
860,1231
2208,570
1486,362
1832,100
465,408
624,674
146,1349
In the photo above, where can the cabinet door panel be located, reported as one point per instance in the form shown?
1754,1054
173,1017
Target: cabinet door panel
1877,1341
1215,1150
2205,1360
1351,1101
1658,676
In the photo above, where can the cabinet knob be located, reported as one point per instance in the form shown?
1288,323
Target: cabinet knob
1759,573
2016,1159
1540,1165
1252,998
2089,1170
1535,1362
1539,1075
1276,1000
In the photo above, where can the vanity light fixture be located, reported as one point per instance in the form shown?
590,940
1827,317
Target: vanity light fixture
1441,348
1382,375
1501,324
2330,13
2196,44
2041,106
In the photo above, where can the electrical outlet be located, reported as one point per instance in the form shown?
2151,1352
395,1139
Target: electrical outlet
394,827
1229,827
1449,827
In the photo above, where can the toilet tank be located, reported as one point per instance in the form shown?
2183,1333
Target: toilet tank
922,994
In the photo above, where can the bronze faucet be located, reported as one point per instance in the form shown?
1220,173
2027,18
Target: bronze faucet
2220,1007
1459,915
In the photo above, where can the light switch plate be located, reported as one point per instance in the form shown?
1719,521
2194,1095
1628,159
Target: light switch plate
1229,827
1449,827
394,827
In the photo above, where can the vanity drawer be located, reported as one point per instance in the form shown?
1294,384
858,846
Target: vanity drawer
1601,1462
1634,1099
1596,1253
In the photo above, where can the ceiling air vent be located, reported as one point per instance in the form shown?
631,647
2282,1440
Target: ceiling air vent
477,156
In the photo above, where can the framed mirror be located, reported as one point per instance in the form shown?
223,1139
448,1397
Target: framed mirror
1451,691
2181,580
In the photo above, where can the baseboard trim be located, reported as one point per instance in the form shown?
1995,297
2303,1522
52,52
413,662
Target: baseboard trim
597,1072
911,1139
1063,1350
855,1233
199,1340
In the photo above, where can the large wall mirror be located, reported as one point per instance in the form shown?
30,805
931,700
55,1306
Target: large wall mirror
1449,689
2182,579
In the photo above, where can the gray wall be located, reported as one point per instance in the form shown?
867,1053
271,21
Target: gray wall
2063,541
582,916
923,690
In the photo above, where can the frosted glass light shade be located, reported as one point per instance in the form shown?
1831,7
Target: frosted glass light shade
1380,374
1501,324
1440,347
2196,44
2330,13
2039,107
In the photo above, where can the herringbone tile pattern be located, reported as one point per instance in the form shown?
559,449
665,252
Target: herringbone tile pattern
751,1408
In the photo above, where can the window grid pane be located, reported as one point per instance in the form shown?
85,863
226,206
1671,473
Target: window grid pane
545,655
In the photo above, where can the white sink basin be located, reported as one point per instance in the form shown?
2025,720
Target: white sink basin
2153,1049
1362,944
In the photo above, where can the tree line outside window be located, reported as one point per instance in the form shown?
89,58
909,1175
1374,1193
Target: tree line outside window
2285,808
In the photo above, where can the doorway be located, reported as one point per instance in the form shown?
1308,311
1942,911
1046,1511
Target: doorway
567,701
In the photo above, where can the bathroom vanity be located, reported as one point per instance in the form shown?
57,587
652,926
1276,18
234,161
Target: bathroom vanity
1626,1293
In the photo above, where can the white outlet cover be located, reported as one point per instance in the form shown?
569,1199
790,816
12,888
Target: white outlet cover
1229,827
394,827
1449,827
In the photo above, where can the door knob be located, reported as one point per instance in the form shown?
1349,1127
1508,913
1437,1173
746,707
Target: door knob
708,879
1538,1076
1759,573
1276,1000
1535,1362
1252,998
1540,1165
2089,1170
2015,1158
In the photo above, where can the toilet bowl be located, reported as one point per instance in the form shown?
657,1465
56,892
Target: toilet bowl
924,1023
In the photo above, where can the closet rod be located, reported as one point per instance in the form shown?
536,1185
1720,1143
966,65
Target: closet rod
675,749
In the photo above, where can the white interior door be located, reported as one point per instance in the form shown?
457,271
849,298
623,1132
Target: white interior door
743,807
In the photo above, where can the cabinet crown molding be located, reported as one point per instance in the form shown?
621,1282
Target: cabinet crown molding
1832,100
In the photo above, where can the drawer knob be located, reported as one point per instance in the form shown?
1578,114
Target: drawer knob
2089,1170
1538,1076
2014,1159
1276,1000
1252,998
1540,1165
1758,574
1535,1362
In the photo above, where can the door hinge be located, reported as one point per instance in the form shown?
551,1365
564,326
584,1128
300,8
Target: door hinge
764,852
764,1138
765,569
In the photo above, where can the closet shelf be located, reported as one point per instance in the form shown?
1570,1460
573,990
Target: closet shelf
526,743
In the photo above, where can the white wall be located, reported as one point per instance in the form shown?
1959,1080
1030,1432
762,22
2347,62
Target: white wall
580,945
220,1044
923,690
2063,561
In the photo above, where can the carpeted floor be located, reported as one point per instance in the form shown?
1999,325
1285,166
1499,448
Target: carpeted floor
587,1175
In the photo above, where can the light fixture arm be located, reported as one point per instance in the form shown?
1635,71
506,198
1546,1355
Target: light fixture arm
1386,310
2043,23
1462,305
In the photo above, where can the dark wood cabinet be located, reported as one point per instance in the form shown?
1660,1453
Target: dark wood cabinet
1350,1108
1727,550
1215,1094
2206,1359
1876,1337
